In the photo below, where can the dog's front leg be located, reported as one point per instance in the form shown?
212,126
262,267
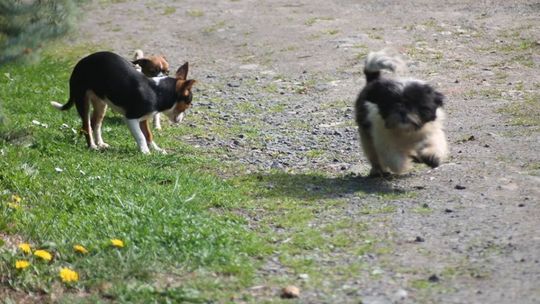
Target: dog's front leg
434,150
133,125
145,128
157,121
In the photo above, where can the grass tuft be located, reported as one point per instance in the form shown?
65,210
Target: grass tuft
172,213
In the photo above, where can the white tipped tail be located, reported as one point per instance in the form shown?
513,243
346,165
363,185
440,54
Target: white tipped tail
381,60
57,105
138,54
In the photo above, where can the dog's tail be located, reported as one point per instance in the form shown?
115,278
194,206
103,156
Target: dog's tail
377,61
138,54
62,107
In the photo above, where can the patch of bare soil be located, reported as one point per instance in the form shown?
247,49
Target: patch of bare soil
278,83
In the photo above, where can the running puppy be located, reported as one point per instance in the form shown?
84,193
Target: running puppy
106,79
399,120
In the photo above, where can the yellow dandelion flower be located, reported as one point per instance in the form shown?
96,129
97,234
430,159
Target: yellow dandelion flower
15,198
80,249
21,264
68,275
25,247
117,243
43,254
14,205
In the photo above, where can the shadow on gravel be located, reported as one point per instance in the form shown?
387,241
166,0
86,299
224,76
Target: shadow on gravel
311,186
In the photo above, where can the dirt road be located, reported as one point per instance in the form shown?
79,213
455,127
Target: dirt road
278,83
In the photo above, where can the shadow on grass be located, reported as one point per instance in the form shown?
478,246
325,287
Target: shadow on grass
318,186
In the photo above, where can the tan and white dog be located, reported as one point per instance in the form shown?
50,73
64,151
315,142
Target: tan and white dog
152,66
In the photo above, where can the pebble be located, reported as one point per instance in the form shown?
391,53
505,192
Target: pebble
400,295
290,292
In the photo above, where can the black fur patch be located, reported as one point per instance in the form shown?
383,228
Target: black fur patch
392,98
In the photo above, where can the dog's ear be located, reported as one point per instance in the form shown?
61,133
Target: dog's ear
181,73
141,62
439,98
185,87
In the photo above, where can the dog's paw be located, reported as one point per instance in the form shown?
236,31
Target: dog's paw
155,147
378,172
93,147
103,145
431,160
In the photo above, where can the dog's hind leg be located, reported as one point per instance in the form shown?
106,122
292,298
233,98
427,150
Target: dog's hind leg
97,118
371,154
83,108
390,156
397,161
145,128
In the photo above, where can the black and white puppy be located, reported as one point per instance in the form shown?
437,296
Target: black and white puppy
106,79
399,120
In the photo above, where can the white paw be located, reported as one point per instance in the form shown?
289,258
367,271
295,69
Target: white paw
154,146
93,147
103,145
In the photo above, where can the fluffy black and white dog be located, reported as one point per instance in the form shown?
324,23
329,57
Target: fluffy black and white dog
399,120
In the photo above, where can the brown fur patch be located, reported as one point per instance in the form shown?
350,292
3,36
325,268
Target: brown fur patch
181,107
183,87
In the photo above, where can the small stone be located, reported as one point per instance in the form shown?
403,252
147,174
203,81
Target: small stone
233,84
248,67
400,295
419,239
521,205
460,187
290,292
448,210
303,276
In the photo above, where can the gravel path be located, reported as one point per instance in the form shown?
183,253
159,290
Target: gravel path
277,85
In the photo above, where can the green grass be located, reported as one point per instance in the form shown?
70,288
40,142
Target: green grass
311,21
173,213
169,10
524,113
191,235
195,13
